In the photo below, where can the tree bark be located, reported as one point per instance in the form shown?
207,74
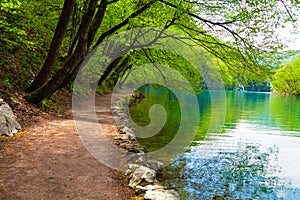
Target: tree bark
71,76
108,70
56,42
93,30
86,34
97,22
53,84
113,72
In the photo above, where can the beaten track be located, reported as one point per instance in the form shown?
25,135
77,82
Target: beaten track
48,161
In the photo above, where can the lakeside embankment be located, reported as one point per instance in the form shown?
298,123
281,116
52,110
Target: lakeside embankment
142,171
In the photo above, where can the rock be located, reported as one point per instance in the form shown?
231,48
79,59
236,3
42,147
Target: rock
8,122
149,187
132,147
155,165
131,169
126,129
137,158
143,171
159,193
131,137
141,174
124,137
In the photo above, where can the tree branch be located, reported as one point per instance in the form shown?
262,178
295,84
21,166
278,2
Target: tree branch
123,23
198,17
287,10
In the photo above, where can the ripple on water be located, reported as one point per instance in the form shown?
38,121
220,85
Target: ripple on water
235,170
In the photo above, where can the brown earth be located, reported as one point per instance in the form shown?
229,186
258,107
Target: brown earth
48,161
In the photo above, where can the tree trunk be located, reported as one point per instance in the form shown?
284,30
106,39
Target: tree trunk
86,34
93,30
53,53
97,22
112,73
108,70
124,77
53,84
71,76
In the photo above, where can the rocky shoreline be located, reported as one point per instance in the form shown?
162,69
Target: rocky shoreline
142,172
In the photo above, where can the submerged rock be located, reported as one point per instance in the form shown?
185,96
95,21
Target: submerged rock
8,121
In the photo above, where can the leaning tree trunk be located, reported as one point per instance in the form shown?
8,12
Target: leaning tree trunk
85,38
97,21
115,72
92,32
53,53
53,84
71,76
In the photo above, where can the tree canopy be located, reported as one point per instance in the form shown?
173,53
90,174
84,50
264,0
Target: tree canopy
286,79
235,34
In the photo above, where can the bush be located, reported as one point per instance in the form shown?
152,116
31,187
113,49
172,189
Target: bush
286,79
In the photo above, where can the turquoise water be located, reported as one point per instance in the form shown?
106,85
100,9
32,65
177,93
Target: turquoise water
247,145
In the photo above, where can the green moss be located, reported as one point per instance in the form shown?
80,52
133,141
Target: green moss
7,119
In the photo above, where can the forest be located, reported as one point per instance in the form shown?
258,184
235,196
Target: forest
43,43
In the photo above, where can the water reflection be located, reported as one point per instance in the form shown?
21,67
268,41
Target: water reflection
285,111
244,165
253,154
243,174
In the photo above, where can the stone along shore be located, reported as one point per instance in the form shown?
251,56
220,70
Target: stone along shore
141,171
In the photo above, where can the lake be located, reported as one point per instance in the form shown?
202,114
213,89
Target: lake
246,145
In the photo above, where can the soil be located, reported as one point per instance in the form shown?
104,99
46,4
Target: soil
48,160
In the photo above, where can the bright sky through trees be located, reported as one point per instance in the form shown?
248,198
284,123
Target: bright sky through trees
291,33
291,36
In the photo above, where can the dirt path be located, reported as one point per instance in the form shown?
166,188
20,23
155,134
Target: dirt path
49,161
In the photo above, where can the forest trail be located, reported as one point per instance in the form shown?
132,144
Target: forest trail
49,161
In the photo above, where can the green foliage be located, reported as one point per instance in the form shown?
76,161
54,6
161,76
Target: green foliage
51,104
106,87
165,66
26,30
286,79
7,119
10,26
6,84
